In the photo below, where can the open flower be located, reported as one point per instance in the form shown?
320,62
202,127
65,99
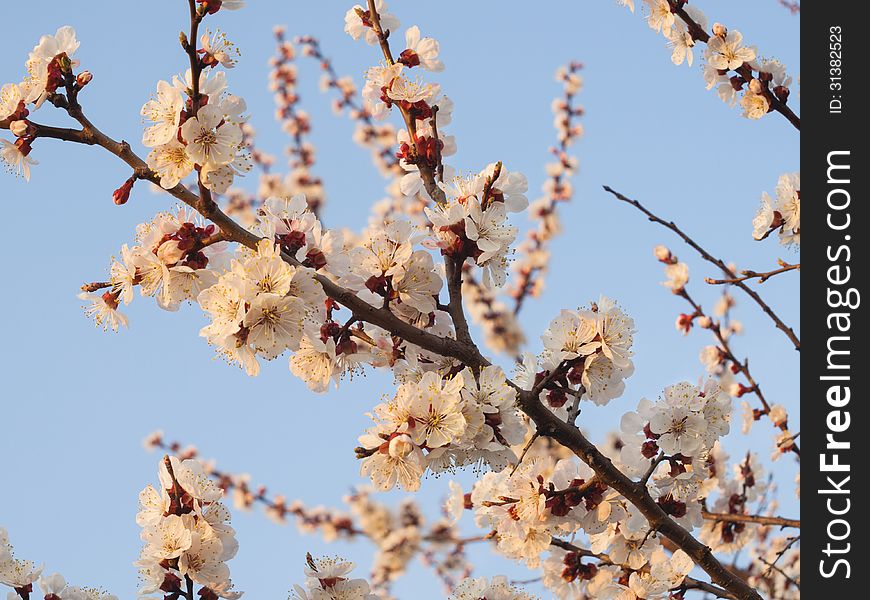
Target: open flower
422,51
275,323
210,140
164,111
727,53
217,49
104,310
171,162
17,161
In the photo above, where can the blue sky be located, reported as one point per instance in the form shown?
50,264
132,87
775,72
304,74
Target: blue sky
77,402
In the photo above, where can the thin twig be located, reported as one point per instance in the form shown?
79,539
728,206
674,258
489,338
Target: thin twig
741,366
759,519
762,277
745,71
789,332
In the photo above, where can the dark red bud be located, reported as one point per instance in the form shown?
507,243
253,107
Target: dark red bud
122,194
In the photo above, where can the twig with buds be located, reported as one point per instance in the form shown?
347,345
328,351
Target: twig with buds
719,263
762,277
737,366
777,101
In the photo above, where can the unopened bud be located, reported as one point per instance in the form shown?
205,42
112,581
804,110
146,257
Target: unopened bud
122,194
19,128
209,6
684,323
779,415
84,78
720,30
781,92
755,86
662,253
742,389
705,322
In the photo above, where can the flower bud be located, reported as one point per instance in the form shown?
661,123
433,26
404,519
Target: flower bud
719,30
19,128
210,6
705,322
779,415
742,389
755,86
401,446
662,253
84,78
684,323
781,92
122,194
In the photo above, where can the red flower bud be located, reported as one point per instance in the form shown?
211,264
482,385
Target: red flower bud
122,194
409,58
211,6
84,78
328,330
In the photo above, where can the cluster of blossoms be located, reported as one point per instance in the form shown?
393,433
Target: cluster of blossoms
173,260
20,575
49,66
497,588
732,496
782,214
326,578
587,355
534,255
186,534
438,423
677,272
285,285
499,324
261,306
471,223
297,124
730,66
423,145
679,431
532,507
207,138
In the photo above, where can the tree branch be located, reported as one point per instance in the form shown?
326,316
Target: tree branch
571,437
749,274
546,422
759,519
742,367
700,35
789,332
426,173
